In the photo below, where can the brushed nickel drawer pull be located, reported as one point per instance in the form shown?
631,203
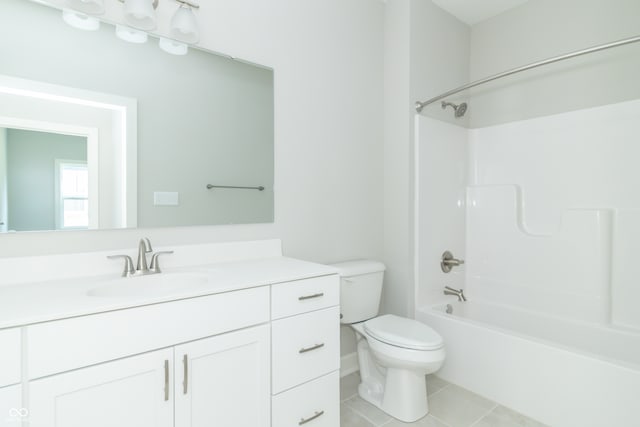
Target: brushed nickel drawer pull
315,347
166,380
304,421
302,298
185,382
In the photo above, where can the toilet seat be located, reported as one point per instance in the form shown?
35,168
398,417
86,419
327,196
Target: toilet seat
403,332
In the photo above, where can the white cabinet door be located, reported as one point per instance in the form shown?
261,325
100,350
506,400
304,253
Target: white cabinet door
11,410
132,392
224,380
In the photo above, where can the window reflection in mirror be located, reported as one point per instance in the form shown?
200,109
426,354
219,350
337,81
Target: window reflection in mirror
44,180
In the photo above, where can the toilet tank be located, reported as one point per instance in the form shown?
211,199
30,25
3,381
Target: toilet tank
360,289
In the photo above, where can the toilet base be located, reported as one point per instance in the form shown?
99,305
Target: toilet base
404,395
401,393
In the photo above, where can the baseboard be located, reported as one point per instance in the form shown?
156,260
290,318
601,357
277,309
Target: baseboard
349,364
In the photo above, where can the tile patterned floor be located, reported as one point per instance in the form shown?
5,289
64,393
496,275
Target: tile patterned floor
450,406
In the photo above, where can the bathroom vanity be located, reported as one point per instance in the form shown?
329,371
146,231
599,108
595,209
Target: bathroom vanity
228,334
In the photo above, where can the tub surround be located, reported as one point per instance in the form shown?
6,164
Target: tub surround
264,326
550,270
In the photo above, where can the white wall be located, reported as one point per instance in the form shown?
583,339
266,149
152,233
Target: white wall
543,29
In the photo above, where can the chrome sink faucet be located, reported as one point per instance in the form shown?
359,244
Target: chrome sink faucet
457,292
142,268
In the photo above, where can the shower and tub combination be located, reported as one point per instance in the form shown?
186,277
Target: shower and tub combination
539,200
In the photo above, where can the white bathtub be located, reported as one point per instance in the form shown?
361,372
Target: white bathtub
562,373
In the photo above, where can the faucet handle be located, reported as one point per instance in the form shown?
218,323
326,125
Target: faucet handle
128,264
155,266
448,262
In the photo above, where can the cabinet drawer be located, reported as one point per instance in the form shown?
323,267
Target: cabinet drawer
301,296
315,402
73,343
10,345
305,347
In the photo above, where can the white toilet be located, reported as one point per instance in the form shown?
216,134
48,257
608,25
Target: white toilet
394,353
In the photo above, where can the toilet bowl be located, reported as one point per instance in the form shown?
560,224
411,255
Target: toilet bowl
394,353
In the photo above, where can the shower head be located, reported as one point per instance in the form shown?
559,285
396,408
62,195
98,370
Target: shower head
459,109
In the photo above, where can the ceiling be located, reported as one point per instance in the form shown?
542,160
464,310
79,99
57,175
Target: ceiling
473,11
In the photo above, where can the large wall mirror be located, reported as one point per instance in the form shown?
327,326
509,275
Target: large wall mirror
98,133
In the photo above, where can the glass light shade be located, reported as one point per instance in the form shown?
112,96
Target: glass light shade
173,47
140,14
80,20
93,7
184,25
130,35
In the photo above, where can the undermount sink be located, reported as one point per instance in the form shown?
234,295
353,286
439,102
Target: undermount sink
151,285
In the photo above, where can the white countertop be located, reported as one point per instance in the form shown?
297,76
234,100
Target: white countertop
28,303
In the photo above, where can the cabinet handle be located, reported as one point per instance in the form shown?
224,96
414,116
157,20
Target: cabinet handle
304,297
166,380
304,421
315,347
185,382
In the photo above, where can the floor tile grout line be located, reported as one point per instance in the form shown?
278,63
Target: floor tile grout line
445,424
439,390
482,416
365,416
349,397
359,415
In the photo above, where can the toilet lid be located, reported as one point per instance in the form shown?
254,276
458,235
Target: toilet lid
403,332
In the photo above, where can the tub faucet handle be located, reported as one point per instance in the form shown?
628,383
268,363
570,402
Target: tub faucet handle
448,262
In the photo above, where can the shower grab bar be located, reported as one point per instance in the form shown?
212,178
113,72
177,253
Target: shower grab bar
421,105
210,186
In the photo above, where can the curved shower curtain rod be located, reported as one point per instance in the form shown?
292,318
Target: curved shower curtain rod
421,105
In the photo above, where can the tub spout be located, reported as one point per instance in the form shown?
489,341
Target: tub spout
457,292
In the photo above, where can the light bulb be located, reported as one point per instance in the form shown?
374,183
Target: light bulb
184,25
140,14
173,47
130,35
80,20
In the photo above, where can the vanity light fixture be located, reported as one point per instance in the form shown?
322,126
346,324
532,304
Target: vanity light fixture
140,13
93,7
184,25
131,35
80,20
173,47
